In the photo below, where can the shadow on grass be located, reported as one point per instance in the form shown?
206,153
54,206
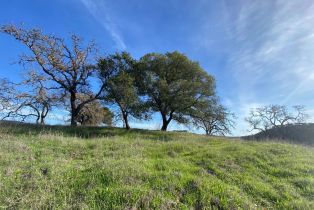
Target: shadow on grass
84,132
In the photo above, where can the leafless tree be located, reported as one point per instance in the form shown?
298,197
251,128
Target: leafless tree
67,66
267,117
27,99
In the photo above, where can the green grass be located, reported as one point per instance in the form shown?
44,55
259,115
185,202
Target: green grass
110,168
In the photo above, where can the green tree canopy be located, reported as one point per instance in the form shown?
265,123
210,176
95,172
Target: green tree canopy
173,85
94,114
117,72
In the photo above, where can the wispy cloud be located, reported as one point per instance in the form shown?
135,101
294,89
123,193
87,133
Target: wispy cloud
266,47
275,43
100,12
271,56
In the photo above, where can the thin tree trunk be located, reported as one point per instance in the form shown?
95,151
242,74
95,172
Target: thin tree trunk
43,115
37,120
42,120
125,119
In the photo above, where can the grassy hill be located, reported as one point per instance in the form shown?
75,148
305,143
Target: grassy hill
110,168
296,133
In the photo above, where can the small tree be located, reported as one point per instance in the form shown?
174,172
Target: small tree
116,71
173,84
213,118
93,114
27,99
68,67
267,117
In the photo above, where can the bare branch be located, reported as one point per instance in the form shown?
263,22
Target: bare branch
67,67
267,117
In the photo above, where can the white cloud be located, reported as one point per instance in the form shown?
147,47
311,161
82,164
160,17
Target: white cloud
100,12
271,55
277,43
269,46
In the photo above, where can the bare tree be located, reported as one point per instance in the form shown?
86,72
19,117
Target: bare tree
27,99
68,67
213,118
267,117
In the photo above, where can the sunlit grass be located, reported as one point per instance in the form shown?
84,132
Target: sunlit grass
77,168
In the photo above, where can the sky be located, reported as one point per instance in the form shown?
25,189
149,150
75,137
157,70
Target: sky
260,52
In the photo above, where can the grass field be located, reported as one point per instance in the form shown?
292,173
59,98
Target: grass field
110,168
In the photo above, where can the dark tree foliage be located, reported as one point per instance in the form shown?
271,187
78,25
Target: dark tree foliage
94,114
116,72
67,66
173,85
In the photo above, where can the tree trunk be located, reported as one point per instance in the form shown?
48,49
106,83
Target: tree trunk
164,126
43,115
73,121
126,121
165,121
42,120
73,109
37,120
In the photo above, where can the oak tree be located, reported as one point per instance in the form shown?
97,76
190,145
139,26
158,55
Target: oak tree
117,73
29,98
67,65
213,118
94,114
270,116
173,84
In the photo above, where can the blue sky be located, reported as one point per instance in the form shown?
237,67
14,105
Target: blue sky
260,52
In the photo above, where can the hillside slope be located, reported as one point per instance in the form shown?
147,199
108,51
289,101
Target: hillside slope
296,133
109,168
